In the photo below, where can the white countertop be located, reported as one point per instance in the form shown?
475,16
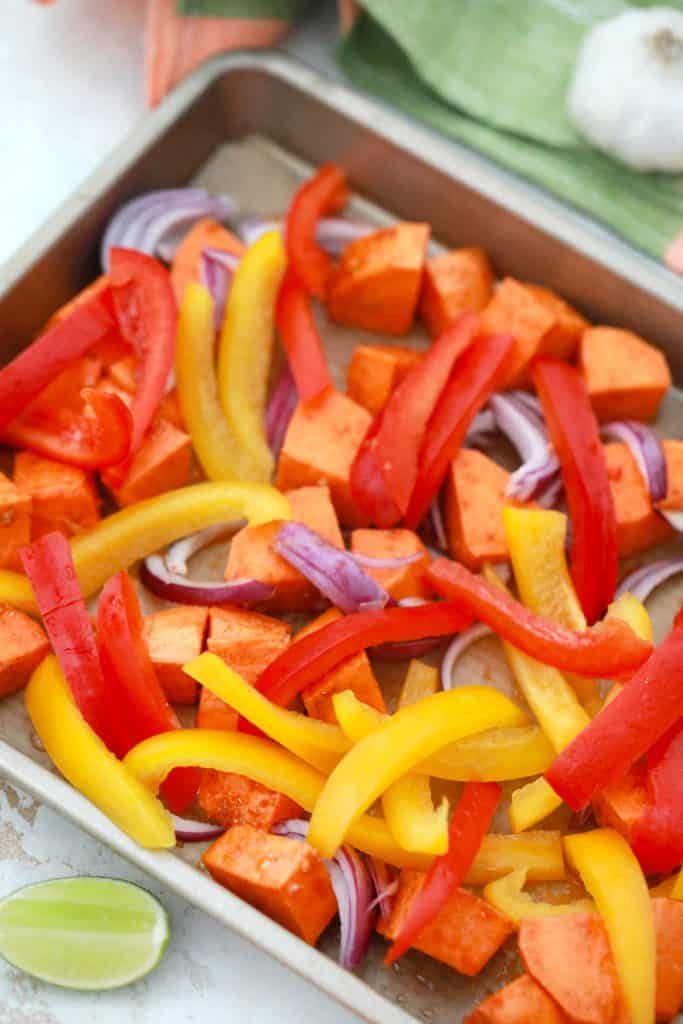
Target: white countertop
71,87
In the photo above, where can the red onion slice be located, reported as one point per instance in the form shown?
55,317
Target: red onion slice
189,831
250,229
283,402
334,572
483,430
178,554
332,233
522,427
386,886
646,449
398,562
641,582
437,520
172,587
457,647
216,271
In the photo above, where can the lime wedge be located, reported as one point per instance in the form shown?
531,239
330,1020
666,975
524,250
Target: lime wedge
84,933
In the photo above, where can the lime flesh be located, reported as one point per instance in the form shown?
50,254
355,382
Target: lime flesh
83,933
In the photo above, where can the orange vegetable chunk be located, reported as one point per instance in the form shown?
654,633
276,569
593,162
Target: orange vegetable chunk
474,502
626,376
638,524
563,338
174,637
668,918
454,283
522,1001
162,463
320,445
621,804
405,581
284,878
375,371
376,284
15,523
673,452
214,713
23,645
63,497
228,799
246,641
207,233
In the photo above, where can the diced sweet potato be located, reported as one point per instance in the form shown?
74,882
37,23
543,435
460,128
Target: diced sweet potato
522,1001
320,445
621,804
214,713
453,283
120,380
23,645
638,524
63,497
375,371
162,463
253,556
625,375
475,497
228,799
405,581
174,637
465,934
206,233
354,673
571,958
247,641
673,452
15,522
562,339
283,877
377,283
668,918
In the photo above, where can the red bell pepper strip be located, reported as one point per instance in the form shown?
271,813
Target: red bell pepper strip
626,728
368,488
606,650
477,374
299,335
148,318
402,425
130,674
324,193
657,835
574,434
468,825
50,568
92,439
50,354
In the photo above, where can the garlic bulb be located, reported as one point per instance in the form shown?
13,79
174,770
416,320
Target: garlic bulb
626,96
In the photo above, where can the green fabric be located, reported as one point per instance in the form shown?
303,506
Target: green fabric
285,10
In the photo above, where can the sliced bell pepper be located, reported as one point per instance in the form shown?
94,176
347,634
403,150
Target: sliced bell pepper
607,649
301,340
626,728
507,895
148,320
400,743
94,439
477,374
246,347
324,193
657,836
539,852
369,491
469,824
575,436
50,354
82,758
132,681
614,879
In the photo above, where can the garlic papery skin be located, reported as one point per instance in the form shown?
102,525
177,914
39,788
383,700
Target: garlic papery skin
626,95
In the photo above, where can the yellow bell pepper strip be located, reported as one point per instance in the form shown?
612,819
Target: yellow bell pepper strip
396,747
497,755
612,875
507,895
540,853
246,347
84,760
318,743
16,591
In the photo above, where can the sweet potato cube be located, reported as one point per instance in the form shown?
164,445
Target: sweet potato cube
621,804
355,673
162,463
253,556
206,233
465,934
475,497
638,524
284,878
174,637
522,1001
668,918
15,522
375,371
63,497
246,641
454,283
23,645
320,445
673,452
214,713
405,581
626,376
564,336
515,310
377,283
228,799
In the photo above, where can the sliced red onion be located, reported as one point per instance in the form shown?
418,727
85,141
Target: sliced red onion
385,883
550,495
482,432
334,572
673,517
646,449
250,229
172,587
439,528
457,647
531,402
539,466
283,402
144,222
398,562
178,554
641,582
332,233
188,831
216,271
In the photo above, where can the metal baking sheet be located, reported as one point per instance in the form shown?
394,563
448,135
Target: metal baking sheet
253,125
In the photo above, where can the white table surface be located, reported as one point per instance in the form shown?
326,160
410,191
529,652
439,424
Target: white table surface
71,87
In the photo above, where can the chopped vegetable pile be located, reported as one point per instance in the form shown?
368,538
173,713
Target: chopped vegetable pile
276,555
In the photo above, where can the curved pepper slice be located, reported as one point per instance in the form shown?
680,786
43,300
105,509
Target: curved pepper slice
368,488
301,340
507,895
613,877
324,193
657,836
396,747
607,649
82,758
